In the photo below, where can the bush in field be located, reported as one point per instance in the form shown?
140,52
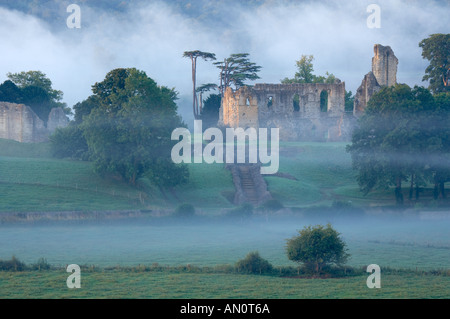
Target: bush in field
41,264
12,265
185,211
254,263
316,247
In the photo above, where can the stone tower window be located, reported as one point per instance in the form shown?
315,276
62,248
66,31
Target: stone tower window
296,103
247,102
270,101
324,101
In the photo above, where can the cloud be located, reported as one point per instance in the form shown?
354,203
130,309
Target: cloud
153,36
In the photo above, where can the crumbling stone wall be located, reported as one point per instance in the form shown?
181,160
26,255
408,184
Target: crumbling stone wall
56,118
18,122
241,108
369,86
384,65
273,105
384,73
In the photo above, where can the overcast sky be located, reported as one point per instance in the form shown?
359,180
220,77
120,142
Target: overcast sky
153,37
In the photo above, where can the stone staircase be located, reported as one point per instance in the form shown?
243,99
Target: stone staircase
248,185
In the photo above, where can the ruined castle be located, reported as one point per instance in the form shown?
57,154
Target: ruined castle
19,122
384,73
306,112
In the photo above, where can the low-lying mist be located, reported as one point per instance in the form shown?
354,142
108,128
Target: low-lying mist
412,240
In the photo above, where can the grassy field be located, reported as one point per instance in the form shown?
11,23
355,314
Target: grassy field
27,171
32,181
185,285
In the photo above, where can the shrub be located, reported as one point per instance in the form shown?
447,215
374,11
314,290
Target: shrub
12,265
41,264
317,247
69,142
254,263
185,211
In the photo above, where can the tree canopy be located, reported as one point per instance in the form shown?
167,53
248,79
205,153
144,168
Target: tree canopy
127,125
194,55
34,89
236,70
403,135
316,247
436,49
210,110
36,78
304,74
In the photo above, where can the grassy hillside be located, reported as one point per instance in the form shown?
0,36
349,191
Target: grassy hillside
324,174
31,180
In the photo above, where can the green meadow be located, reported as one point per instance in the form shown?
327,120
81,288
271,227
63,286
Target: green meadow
410,246
319,174
121,284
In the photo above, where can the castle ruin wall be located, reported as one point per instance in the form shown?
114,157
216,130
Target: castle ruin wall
18,122
295,109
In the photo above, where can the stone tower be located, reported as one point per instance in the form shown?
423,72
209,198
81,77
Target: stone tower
384,73
384,65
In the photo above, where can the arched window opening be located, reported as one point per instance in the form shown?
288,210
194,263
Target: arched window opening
324,101
296,103
270,101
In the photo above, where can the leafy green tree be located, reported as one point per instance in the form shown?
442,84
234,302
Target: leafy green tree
399,138
9,92
210,110
69,142
236,70
84,108
436,49
317,247
349,100
35,78
129,132
38,79
438,144
253,263
39,101
166,174
304,74
34,96
201,90
193,55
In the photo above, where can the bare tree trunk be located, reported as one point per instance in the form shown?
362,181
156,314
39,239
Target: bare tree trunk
398,191
442,190
411,187
194,97
436,190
